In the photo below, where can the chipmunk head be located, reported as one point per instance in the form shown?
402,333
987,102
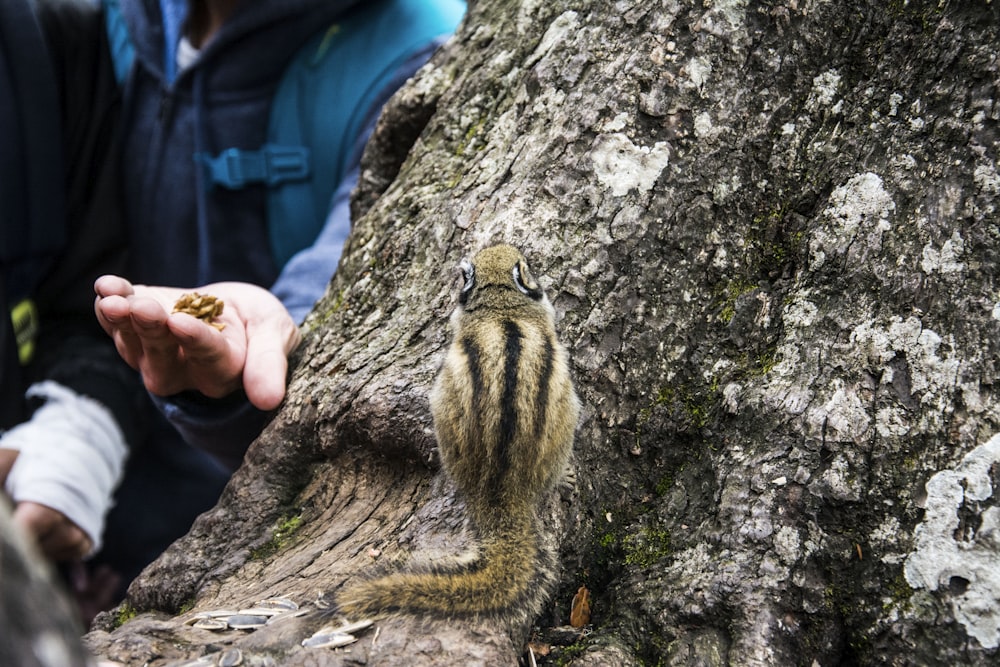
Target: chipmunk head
498,275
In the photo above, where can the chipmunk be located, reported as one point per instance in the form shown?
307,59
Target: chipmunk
504,414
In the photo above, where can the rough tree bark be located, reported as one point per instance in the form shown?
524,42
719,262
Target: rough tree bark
770,231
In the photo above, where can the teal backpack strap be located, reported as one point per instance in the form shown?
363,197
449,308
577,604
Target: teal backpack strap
326,94
122,50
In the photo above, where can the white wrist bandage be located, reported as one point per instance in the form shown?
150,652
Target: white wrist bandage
71,456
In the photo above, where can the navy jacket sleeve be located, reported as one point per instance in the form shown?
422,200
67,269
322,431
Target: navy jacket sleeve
72,348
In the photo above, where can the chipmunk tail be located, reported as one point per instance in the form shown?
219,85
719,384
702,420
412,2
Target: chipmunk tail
509,579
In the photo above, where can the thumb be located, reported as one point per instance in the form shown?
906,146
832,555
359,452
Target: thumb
264,373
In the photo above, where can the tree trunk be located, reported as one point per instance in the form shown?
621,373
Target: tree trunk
770,233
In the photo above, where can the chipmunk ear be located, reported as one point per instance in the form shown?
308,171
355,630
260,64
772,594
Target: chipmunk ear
469,279
525,281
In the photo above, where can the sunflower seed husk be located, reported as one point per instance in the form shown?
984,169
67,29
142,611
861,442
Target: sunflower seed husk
329,640
261,611
246,621
213,624
282,604
346,628
231,658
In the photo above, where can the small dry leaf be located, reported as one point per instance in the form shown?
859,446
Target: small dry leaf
579,614
203,306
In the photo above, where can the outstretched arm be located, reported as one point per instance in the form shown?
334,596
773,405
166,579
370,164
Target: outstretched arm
177,352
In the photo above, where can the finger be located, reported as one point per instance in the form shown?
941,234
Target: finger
113,312
57,537
149,322
264,376
148,316
114,315
268,346
7,458
65,541
201,341
214,359
37,520
160,362
108,285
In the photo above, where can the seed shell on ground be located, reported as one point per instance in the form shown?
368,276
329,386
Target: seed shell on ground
329,640
261,611
213,624
283,604
246,621
231,658
347,628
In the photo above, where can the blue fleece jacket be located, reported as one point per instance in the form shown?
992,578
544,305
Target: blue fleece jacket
186,232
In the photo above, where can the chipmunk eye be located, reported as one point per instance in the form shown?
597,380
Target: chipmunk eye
468,277
525,281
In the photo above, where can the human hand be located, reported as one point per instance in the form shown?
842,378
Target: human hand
177,352
59,468
58,538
